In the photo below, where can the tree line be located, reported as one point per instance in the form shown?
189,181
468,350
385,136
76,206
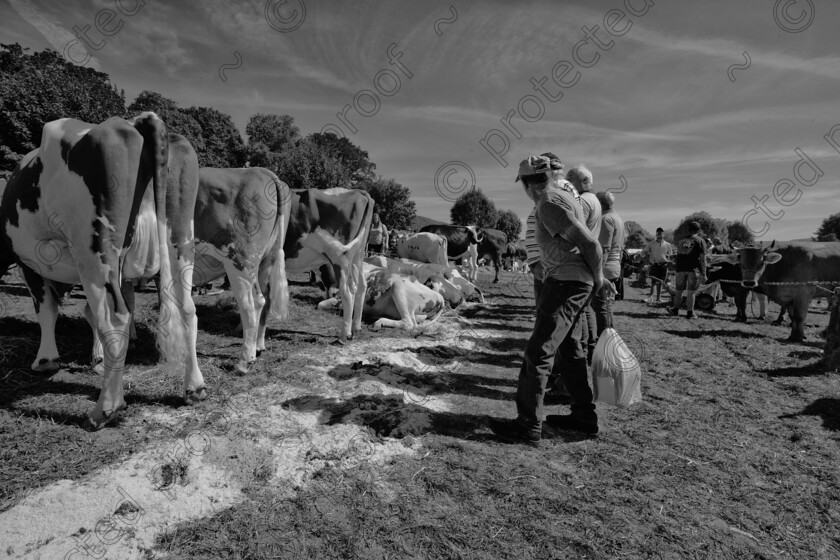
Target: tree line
41,87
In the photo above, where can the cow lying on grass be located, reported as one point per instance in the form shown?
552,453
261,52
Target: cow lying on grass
397,300
427,271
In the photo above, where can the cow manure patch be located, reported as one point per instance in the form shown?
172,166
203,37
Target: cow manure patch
386,415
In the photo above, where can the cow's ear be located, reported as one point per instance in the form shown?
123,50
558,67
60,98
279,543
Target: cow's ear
772,258
733,258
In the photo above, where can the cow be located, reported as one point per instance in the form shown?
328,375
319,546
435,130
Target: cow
462,243
68,215
330,227
241,218
397,300
805,264
729,276
423,247
493,245
454,287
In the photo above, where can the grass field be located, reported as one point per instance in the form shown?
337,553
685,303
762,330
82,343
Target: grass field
379,448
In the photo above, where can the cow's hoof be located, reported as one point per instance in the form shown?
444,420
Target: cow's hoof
260,351
776,323
97,421
192,396
45,365
761,317
496,281
242,367
740,319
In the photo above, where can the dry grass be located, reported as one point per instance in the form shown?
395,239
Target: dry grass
733,454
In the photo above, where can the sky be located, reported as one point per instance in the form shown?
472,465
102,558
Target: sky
676,106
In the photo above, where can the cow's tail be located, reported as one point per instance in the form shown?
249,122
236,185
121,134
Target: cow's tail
278,282
356,280
171,332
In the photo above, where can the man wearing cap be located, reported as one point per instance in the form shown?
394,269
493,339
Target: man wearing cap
691,269
555,383
659,253
571,269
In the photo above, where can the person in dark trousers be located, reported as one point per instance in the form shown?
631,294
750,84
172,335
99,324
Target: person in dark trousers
691,269
571,270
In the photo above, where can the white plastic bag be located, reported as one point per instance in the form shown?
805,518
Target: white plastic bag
616,373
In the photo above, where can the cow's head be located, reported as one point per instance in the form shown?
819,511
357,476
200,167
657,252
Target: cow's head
475,234
445,287
753,260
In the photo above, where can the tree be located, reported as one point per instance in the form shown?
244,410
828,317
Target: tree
277,132
737,232
223,145
636,240
355,160
509,223
393,203
829,225
42,87
708,225
473,208
305,166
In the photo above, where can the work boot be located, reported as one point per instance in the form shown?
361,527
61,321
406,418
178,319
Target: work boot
511,431
571,423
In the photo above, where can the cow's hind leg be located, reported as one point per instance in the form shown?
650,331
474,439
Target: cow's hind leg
97,358
45,296
243,286
111,317
180,296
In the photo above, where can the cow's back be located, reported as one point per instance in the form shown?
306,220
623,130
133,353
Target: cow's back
342,213
802,262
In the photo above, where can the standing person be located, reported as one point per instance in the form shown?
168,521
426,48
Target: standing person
571,269
612,243
691,269
659,253
554,386
581,178
378,236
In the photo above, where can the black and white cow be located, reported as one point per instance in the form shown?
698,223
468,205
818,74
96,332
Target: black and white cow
330,227
69,214
462,243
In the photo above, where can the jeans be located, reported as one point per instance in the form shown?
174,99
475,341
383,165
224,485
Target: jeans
557,330
603,311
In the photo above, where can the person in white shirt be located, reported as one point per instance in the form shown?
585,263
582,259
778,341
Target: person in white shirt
659,253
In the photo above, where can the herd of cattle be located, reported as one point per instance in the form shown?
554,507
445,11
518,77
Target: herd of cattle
108,205
79,210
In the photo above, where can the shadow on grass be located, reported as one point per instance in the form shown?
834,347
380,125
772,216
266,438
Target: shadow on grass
444,380
716,332
19,385
804,370
827,408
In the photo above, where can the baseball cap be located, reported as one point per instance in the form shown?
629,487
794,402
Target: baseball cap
660,229
538,165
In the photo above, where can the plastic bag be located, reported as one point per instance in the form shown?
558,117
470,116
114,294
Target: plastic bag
616,373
